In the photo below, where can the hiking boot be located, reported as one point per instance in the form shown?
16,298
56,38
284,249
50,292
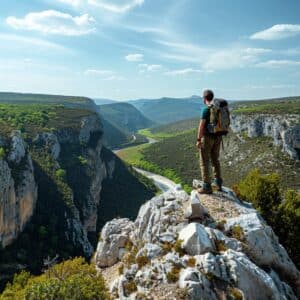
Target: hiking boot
206,189
217,184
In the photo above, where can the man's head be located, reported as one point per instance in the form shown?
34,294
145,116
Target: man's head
208,96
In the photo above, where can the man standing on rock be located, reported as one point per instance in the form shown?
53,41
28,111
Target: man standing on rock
209,145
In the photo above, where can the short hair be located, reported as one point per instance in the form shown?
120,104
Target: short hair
208,95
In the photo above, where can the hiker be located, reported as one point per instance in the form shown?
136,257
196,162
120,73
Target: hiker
214,123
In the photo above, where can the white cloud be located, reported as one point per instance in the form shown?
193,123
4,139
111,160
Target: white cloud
31,42
186,71
257,51
99,72
211,59
149,68
106,75
277,32
71,2
134,57
278,63
116,6
54,22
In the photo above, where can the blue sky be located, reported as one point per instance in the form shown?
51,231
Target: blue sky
128,49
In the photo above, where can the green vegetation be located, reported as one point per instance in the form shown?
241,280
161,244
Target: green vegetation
20,98
289,105
72,279
60,173
176,128
2,153
34,118
281,211
125,116
120,121
261,190
179,154
159,135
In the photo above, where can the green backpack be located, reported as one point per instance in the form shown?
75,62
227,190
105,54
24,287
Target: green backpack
219,117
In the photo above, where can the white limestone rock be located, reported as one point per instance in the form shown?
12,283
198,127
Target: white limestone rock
195,239
263,246
17,151
114,236
150,250
48,141
198,286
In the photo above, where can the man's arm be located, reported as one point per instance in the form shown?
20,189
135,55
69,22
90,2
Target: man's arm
201,131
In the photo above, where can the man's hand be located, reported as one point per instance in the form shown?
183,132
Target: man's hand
199,145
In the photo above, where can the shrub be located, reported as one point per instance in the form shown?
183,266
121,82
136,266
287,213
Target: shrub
72,279
261,190
60,173
191,262
220,245
82,160
287,224
235,294
178,248
173,275
129,287
2,153
237,232
142,261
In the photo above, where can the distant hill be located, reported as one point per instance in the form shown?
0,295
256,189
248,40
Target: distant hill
68,101
168,110
101,101
121,121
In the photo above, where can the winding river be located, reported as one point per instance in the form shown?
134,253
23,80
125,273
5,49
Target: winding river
163,183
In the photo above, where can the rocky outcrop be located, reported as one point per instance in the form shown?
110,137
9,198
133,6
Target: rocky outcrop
283,129
18,189
88,140
236,257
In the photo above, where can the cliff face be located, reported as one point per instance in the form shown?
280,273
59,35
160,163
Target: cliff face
57,190
79,154
18,189
283,129
195,247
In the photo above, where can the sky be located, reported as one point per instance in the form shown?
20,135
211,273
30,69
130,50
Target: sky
130,49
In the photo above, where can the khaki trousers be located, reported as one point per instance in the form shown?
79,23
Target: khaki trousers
210,155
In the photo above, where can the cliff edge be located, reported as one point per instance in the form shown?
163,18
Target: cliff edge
191,247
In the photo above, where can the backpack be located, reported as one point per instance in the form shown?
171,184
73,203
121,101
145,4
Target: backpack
219,117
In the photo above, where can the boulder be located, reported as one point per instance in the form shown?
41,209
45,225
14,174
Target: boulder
17,146
114,236
195,239
262,244
198,286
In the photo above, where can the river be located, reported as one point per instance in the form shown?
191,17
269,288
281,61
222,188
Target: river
161,182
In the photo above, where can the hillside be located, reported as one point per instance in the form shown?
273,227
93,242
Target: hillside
56,180
287,105
121,121
168,110
125,116
69,101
